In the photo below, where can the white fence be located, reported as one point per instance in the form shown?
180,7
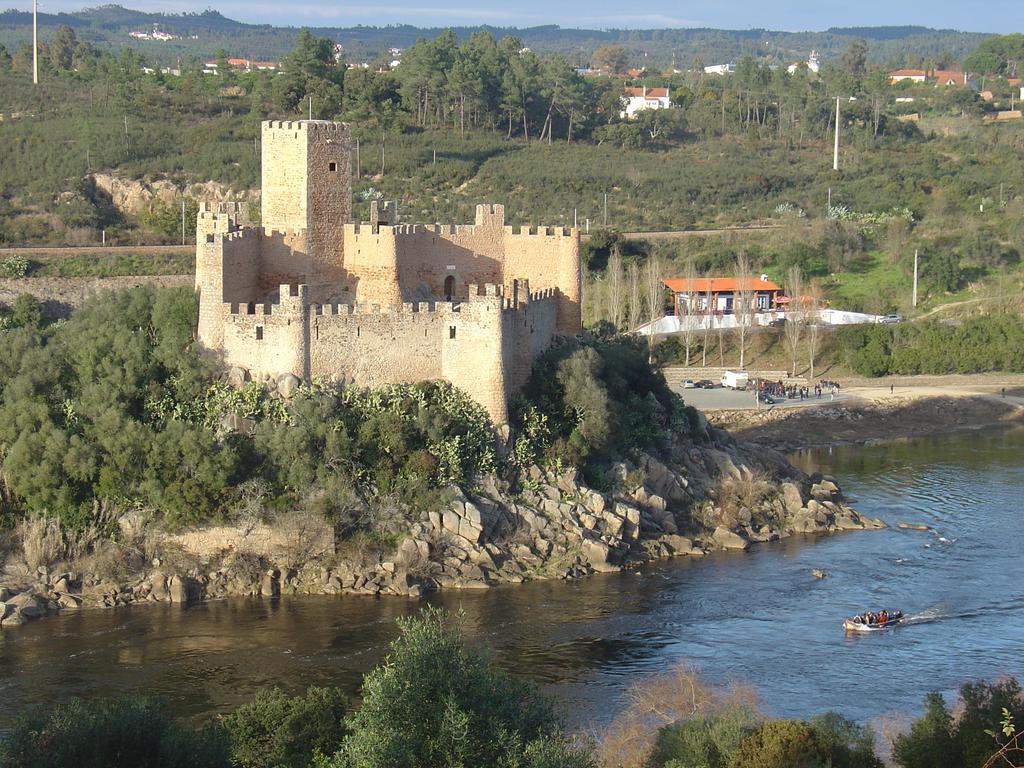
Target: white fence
671,324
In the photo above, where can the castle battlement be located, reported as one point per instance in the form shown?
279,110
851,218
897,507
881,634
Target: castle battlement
309,126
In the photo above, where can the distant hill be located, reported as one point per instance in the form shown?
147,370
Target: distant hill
655,48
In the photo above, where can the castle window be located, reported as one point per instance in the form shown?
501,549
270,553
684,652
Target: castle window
259,333
332,167
451,331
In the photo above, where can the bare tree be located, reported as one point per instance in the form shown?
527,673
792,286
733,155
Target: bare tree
654,288
689,308
794,317
743,303
812,315
633,281
615,286
708,315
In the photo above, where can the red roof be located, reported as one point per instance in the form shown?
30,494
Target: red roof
950,76
652,93
719,285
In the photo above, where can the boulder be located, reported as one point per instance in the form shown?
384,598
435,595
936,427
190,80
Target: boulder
679,545
599,555
723,538
287,384
177,590
791,498
237,377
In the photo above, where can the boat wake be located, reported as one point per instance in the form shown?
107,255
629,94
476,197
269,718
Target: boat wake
945,613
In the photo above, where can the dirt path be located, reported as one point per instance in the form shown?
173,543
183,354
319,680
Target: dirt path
97,250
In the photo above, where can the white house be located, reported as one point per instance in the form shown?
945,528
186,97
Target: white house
635,99
720,69
813,64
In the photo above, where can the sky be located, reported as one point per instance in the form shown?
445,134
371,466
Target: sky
1000,16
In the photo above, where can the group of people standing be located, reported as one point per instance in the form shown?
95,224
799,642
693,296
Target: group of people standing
793,392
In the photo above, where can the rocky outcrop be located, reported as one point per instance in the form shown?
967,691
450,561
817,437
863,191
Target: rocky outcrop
133,196
717,495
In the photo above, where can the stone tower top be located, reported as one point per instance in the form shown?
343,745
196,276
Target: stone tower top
306,176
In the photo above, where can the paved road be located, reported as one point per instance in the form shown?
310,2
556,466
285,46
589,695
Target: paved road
721,399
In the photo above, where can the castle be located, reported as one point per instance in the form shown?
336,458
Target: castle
311,294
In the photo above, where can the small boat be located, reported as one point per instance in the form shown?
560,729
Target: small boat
872,623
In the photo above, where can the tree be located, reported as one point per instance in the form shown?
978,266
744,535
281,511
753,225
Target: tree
276,730
435,702
62,47
610,58
743,308
633,283
795,319
855,59
812,314
930,743
615,288
689,307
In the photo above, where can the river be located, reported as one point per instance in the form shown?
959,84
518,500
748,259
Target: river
759,617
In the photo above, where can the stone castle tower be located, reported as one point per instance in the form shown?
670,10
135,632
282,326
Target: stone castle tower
312,294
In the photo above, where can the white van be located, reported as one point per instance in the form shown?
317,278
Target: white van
735,379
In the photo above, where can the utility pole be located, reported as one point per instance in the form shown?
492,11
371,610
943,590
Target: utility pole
914,300
182,221
574,219
835,153
35,43
311,106
606,209
828,207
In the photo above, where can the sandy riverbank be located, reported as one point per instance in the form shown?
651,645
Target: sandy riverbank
912,407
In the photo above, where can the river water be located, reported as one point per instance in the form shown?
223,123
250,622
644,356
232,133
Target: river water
758,617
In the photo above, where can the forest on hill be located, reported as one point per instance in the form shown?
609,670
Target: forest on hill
109,26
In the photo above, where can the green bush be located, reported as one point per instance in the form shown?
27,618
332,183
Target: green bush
436,702
276,730
704,742
938,739
780,744
978,345
110,734
598,400
14,266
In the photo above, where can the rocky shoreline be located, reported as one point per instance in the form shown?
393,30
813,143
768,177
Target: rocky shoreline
714,494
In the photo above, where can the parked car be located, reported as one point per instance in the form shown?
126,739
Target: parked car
689,384
705,384
777,323
891,319
768,400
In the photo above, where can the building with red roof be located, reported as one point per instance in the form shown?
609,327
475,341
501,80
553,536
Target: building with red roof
718,295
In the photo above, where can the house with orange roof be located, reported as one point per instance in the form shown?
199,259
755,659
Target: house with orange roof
719,295
636,99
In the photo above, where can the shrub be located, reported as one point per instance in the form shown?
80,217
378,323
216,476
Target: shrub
14,266
276,730
780,744
436,702
120,732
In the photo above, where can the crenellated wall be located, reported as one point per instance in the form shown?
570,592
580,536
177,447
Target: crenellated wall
484,345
